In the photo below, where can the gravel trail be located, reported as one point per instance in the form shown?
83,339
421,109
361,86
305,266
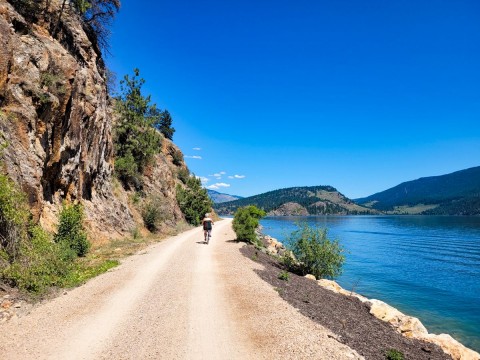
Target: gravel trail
179,299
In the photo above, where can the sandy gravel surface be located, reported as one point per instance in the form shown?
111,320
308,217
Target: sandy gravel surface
179,299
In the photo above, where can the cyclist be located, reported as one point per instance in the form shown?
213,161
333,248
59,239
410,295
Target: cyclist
207,223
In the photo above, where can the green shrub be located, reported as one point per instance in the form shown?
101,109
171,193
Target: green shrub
393,354
41,263
284,275
155,212
177,157
246,221
14,218
315,253
183,174
71,231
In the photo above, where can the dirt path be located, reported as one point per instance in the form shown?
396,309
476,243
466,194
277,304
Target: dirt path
179,299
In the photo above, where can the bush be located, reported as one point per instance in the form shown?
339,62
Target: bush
155,212
183,174
41,263
393,354
284,275
14,218
71,231
246,221
315,253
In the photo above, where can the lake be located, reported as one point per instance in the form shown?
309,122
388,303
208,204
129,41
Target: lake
425,266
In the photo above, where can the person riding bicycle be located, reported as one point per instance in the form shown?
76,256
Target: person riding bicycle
207,223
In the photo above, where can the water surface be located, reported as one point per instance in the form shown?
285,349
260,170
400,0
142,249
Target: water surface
426,266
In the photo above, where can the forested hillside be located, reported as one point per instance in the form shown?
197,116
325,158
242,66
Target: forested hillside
457,193
313,200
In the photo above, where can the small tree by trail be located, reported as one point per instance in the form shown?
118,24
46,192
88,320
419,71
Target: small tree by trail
246,221
315,253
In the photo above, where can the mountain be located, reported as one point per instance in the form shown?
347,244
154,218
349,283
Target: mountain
312,200
457,193
218,198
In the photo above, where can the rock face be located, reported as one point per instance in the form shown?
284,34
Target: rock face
289,209
56,120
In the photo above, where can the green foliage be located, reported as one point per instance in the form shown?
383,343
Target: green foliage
70,230
136,139
82,272
393,354
246,221
40,264
177,157
53,82
315,253
284,275
155,212
164,124
183,174
193,200
14,218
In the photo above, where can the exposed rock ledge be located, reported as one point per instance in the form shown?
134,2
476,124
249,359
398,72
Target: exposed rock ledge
408,326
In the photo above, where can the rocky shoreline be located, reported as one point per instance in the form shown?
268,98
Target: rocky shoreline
408,326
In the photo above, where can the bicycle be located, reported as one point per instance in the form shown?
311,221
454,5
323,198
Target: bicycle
208,235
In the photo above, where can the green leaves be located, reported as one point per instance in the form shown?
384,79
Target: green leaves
136,139
246,221
193,200
70,230
315,253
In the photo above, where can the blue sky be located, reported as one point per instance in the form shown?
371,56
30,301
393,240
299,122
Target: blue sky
359,95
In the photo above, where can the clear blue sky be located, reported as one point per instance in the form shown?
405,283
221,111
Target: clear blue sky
359,95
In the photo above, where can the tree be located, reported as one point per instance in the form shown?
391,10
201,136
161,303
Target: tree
246,221
96,14
136,140
164,125
315,253
193,200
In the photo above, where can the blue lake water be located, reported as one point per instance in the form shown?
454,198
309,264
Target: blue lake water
425,266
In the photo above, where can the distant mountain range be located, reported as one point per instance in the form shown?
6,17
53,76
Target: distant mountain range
457,193
218,198
311,200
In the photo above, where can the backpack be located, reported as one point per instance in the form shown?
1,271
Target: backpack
207,225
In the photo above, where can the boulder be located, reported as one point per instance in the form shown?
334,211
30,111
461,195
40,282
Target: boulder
452,347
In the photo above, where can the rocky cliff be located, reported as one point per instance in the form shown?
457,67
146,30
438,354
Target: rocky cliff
57,122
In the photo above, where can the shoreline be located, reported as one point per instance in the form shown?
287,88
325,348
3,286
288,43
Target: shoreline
408,326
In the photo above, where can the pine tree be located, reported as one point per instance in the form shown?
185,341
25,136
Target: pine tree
165,124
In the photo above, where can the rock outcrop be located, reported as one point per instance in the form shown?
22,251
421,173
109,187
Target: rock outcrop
56,118
289,209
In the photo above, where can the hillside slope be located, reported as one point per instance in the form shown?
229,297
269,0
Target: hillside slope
457,193
312,200
218,197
